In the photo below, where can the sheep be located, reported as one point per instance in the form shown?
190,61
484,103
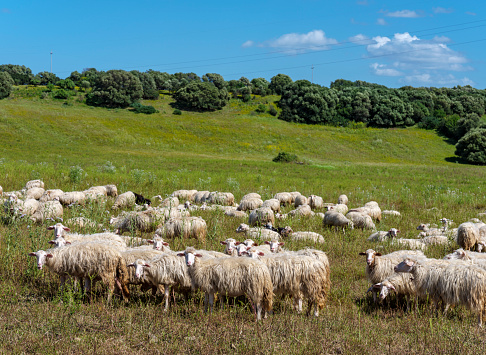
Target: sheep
435,240
83,222
126,199
237,214
35,193
231,277
230,248
341,208
465,255
296,236
379,267
184,194
427,230
74,238
281,215
243,248
398,282
170,202
391,213
88,261
72,197
414,244
159,243
130,256
250,204
185,227
360,220
222,198
275,245
96,192
315,202
343,199
111,190
381,236
337,220
300,201
285,198
144,221
273,204
300,276
452,284
294,195
467,235
29,206
301,211
50,209
261,216
201,196
262,233
49,195
34,183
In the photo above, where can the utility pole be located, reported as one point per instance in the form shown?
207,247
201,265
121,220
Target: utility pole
51,62
312,67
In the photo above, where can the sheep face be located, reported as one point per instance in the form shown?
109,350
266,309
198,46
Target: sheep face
230,245
254,254
250,243
59,242
370,256
274,244
58,230
158,243
393,232
242,249
242,228
405,266
139,266
190,257
41,257
457,254
287,231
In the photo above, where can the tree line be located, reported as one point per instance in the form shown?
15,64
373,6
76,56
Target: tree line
456,113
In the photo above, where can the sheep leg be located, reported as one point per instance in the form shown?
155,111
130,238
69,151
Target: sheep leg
87,287
206,298
111,288
298,304
446,308
166,297
211,301
259,311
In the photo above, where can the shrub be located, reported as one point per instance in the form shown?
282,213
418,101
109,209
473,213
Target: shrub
61,94
76,174
472,147
429,122
272,110
284,157
261,108
139,108
6,84
177,112
115,89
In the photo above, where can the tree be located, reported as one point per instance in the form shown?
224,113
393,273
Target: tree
20,74
278,82
259,86
472,147
46,77
159,78
150,91
75,77
115,88
6,84
216,79
465,124
201,96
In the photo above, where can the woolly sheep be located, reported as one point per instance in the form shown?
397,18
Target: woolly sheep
465,255
159,244
111,190
285,198
201,196
391,213
30,206
413,244
82,222
261,216
371,209
231,277
170,202
273,204
72,197
126,199
467,235
261,233
301,211
34,183
35,193
381,236
230,246
221,198
360,220
237,214
296,236
343,199
300,201
294,195
88,261
250,196
250,204
398,282
50,195
185,227
144,221
341,208
50,209
184,194
130,256
379,267
315,202
337,220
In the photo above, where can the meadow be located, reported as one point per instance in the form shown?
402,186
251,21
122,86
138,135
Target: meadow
71,146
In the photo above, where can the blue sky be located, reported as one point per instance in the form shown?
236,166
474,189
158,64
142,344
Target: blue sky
393,43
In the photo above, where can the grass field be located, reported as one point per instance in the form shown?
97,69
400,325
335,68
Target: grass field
71,146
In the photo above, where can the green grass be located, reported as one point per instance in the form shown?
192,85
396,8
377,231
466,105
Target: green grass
409,170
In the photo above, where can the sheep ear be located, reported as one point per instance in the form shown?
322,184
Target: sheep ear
150,241
267,242
377,254
281,243
237,243
68,242
248,248
378,285
66,229
362,253
131,265
146,265
393,288
165,244
32,254
181,254
223,242
49,256
261,253
50,227
51,242
398,231
198,255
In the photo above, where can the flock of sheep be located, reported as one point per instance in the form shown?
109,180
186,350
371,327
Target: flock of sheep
244,268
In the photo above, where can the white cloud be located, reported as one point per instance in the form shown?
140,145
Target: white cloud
442,10
403,13
248,44
381,22
383,70
361,39
301,42
435,80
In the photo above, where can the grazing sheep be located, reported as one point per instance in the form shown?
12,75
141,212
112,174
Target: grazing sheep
465,255
201,196
453,284
273,204
131,255
50,195
184,195
261,233
50,209
34,183
435,240
170,202
285,198
251,195
337,220
35,193
360,220
341,208
72,197
144,221
398,282
232,277
427,230
294,195
343,199
111,190
391,213
29,207
315,202
467,235
381,236
82,222
124,200
96,192
300,201
379,267
301,211
250,204
237,214
185,227
88,261
413,244
296,236
221,198
261,216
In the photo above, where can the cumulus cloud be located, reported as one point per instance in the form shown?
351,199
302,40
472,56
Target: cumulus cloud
248,44
383,70
434,79
403,13
300,42
381,22
441,10
361,39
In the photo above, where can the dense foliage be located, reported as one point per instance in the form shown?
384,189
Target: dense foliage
6,83
472,147
201,96
115,88
20,74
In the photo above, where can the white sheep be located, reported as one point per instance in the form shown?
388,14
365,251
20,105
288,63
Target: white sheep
300,200
315,202
298,236
124,200
236,214
50,195
273,204
413,244
261,216
336,220
301,211
111,190
230,246
221,198
144,221
184,195
34,183
381,236
185,227
360,220
285,198
398,282
50,209
35,193
343,199
170,202
231,277
341,208
250,204
391,213
467,235
72,197
261,233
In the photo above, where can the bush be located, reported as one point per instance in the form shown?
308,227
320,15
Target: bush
429,122
6,84
61,94
139,108
284,157
201,96
177,112
76,174
272,110
472,147
115,89
261,108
